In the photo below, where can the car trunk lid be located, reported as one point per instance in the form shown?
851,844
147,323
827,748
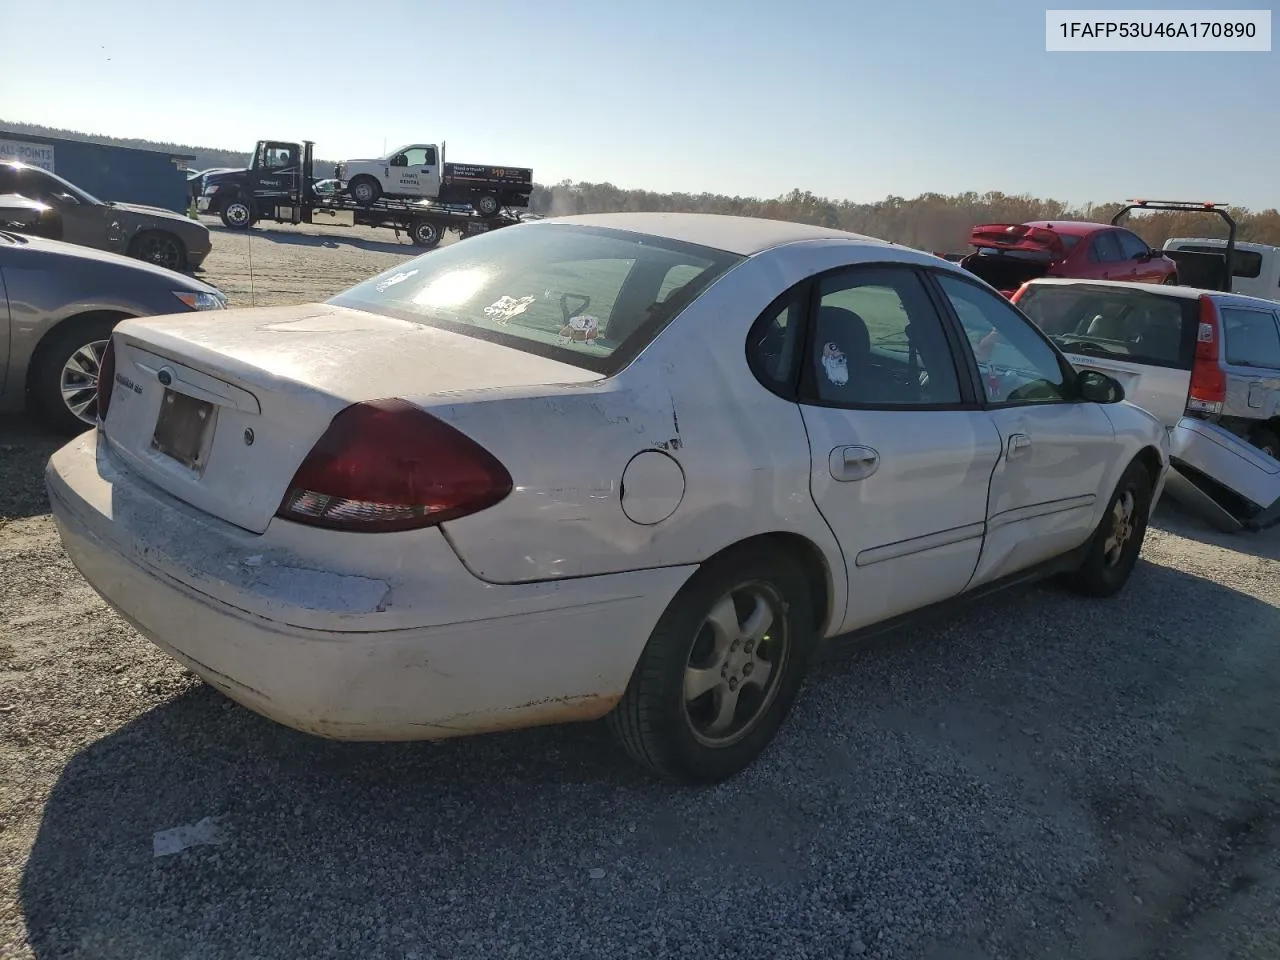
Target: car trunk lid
220,408
1017,236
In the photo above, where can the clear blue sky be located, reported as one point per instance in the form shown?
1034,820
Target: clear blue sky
848,99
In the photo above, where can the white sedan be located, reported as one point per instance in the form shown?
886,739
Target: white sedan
632,465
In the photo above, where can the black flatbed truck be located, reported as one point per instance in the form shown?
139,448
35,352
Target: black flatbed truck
285,192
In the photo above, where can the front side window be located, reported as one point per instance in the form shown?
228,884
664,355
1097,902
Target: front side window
878,341
1017,365
419,157
51,189
583,295
1252,338
1131,245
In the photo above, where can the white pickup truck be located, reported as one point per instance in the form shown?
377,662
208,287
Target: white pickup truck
1255,266
418,171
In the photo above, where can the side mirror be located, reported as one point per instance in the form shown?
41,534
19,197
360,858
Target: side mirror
1097,387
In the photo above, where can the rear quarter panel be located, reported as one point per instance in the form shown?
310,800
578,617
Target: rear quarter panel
743,452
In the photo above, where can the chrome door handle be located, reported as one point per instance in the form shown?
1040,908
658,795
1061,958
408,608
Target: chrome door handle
1017,443
853,463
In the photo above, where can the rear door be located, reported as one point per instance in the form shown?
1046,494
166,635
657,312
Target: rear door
1055,450
1104,258
901,452
1146,341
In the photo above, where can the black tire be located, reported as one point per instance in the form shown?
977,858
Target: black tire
655,722
1108,565
236,215
45,379
1266,440
364,190
426,234
486,205
161,248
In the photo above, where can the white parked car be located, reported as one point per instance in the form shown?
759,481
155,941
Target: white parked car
632,465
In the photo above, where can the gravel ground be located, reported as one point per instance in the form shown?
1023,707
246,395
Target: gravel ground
1036,776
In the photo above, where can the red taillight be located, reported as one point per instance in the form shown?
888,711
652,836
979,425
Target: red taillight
385,465
106,379
1208,382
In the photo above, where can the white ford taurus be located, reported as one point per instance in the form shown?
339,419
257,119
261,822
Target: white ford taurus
631,465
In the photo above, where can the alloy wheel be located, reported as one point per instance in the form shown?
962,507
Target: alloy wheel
79,380
735,665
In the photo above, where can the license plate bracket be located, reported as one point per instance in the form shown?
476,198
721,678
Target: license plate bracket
183,429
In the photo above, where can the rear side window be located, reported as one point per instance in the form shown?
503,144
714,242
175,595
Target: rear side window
1115,322
1252,336
1105,248
587,296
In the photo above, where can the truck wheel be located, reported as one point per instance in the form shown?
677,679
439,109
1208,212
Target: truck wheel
161,248
236,215
364,189
426,234
486,205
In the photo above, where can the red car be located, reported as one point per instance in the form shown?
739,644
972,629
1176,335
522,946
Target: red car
1009,254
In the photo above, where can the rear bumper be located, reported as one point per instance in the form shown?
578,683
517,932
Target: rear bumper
267,620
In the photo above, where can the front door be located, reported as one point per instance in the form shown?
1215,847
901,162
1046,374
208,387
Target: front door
415,173
83,221
1055,450
901,452
276,171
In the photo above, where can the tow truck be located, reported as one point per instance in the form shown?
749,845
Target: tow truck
280,186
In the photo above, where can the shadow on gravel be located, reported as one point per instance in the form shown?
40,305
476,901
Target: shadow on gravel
982,788
272,235
1172,517
25,448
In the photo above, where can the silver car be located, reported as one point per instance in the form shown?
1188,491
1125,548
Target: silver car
58,304
1176,350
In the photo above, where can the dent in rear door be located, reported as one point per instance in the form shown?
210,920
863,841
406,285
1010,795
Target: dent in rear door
900,464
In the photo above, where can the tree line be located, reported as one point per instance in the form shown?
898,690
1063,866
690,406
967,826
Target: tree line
931,221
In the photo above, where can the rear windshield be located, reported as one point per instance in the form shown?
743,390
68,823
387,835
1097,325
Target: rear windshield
582,295
1123,324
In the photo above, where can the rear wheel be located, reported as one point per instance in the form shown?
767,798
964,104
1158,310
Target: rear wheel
426,234
63,381
486,205
721,670
1266,440
364,190
161,248
1114,549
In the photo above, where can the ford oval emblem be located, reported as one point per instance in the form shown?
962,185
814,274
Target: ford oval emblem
165,376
